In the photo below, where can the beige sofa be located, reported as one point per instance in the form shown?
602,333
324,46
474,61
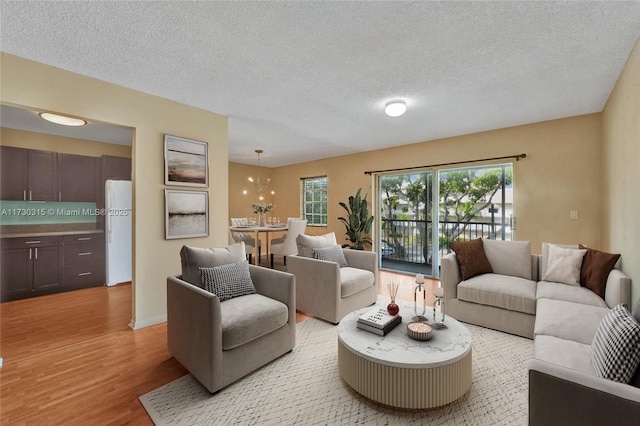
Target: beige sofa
506,299
564,388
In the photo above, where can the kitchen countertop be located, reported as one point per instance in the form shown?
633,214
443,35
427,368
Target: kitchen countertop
21,231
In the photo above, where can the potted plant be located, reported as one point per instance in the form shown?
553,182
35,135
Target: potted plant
358,222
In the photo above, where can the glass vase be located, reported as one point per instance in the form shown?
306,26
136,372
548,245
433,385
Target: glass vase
261,221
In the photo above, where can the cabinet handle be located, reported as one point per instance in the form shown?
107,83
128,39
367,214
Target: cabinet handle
85,254
84,274
33,242
84,238
30,255
36,253
30,195
24,195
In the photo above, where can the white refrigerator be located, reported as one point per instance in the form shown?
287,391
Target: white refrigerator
118,230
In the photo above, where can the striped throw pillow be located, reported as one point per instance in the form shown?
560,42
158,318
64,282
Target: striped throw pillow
228,281
332,254
615,350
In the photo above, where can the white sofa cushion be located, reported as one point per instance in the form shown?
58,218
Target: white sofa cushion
557,291
565,353
564,265
354,280
568,320
545,255
502,291
509,257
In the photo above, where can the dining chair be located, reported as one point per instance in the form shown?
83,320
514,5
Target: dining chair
247,237
288,245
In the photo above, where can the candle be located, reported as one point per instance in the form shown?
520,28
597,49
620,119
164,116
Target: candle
419,278
438,291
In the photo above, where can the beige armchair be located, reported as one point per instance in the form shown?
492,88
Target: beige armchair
220,342
327,291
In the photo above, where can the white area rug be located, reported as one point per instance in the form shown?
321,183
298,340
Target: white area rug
304,388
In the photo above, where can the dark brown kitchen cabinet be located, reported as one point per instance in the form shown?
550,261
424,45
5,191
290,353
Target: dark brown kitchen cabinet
77,178
30,267
28,175
84,260
115,168
13,170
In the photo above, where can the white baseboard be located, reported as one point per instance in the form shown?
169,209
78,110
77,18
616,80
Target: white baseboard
136,325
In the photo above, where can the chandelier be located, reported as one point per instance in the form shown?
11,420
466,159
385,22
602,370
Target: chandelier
260,186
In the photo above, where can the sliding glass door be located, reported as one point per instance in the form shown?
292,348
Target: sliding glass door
460,205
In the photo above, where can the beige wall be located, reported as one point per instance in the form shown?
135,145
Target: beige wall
45,142
621,170
562,172
37,86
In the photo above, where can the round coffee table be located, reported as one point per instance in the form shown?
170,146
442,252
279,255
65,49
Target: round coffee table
398,371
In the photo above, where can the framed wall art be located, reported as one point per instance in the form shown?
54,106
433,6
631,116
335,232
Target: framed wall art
186,162
186,214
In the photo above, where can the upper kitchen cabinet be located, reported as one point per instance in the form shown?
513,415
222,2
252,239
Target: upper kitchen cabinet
28,175
77,178
115,168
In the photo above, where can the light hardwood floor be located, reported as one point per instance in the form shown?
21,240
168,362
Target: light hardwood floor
71,358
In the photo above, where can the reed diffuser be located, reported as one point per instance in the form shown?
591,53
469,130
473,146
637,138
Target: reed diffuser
392,307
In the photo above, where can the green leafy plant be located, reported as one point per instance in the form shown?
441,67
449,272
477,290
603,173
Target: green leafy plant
358,222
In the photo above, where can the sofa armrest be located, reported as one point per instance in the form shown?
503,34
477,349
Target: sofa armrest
618,289
276,285
450,275
362,259
194,329
562,396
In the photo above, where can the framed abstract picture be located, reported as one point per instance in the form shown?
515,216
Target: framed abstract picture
185,162
186,214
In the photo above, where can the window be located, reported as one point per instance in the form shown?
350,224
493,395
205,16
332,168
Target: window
421,213
313,200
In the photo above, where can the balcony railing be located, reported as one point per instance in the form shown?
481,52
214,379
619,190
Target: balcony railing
410,241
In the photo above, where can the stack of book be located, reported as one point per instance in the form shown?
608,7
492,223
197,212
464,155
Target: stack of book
378,321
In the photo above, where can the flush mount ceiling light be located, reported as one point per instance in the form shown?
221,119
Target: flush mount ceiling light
62,119
395,108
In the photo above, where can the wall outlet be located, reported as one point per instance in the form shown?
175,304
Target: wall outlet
573,215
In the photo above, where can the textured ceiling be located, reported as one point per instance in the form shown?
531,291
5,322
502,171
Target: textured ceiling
308,80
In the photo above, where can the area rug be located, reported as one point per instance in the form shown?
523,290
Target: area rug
304,388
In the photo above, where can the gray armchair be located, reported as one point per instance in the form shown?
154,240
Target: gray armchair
329,292
220,342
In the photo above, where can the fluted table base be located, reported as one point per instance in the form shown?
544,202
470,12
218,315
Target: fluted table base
409,388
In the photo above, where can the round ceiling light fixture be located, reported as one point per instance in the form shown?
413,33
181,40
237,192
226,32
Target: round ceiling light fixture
395,108
62,119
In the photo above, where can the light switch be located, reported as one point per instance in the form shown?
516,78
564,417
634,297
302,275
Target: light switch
573,214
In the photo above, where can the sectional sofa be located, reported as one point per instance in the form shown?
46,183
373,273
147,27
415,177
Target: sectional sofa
515,294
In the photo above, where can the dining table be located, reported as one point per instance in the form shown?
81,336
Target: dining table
257,229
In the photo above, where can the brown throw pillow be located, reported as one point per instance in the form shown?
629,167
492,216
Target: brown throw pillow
471,258
596,266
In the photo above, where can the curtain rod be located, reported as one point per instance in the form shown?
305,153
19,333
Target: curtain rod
516,156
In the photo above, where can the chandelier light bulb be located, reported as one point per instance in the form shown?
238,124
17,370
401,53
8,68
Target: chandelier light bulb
395,108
